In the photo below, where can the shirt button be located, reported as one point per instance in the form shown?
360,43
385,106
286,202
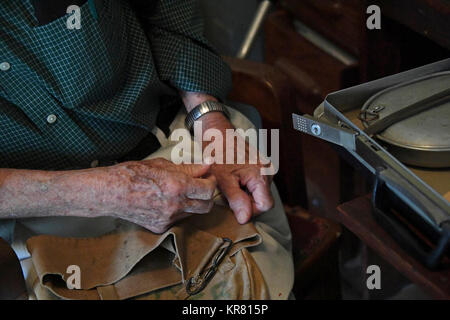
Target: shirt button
5,66
94,163
51,118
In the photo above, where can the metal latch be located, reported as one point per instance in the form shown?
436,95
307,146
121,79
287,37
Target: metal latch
197,283
331,133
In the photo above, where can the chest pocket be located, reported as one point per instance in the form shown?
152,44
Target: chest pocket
82,66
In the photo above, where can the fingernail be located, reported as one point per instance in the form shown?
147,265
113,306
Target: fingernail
242,216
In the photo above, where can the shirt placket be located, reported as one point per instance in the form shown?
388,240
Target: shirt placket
22,87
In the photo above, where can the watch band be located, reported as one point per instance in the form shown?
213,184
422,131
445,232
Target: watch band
202,109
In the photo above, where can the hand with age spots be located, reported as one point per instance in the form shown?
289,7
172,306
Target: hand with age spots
156,193
243,185
151,193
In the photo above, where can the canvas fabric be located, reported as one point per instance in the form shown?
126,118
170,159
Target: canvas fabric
263,255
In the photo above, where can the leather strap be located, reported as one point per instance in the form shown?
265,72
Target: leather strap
107,293
408,111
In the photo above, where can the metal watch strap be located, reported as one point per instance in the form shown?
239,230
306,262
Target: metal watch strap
202,109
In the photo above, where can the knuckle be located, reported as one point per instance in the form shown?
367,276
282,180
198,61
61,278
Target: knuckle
259,178
237,194
160,161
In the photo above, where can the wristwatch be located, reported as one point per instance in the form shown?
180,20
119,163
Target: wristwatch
202,109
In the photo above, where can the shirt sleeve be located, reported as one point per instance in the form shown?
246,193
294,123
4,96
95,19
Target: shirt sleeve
182,55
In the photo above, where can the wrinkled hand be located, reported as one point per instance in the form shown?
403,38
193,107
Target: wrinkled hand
247,191
156,193
243,185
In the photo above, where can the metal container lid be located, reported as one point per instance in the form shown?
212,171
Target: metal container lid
422,139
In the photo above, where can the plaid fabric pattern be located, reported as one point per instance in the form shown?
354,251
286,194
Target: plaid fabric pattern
104,83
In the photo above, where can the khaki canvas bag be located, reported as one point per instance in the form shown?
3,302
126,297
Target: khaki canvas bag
202,257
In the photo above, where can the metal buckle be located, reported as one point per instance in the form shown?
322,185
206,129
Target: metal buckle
371,114
197,283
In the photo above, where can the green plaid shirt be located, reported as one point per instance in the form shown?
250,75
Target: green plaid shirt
68,96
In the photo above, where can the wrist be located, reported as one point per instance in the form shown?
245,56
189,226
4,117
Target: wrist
199,115
193,99
215,120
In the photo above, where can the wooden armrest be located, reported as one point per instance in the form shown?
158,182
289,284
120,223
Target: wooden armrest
262,86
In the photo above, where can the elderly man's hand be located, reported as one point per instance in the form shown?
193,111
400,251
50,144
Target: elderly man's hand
243,185
247,191
155,193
